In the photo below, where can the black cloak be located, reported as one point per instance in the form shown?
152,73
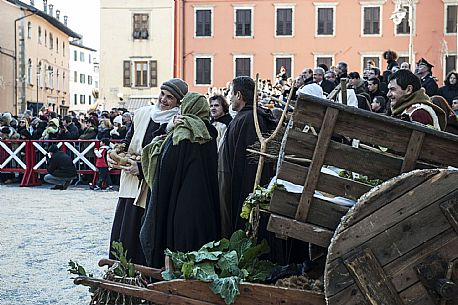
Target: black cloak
183,211
236,171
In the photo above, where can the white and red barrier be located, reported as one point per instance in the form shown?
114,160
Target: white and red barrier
29,157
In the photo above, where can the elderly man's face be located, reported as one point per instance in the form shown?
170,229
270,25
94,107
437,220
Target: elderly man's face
405,66
317,76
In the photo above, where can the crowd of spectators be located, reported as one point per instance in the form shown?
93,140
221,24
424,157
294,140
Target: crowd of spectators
49,125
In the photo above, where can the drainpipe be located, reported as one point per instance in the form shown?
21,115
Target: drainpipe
15,57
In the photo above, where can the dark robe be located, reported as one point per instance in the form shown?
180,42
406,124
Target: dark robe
430,85
183,211
236,171
128,217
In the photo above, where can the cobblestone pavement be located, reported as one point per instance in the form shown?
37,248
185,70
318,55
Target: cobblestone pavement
41,230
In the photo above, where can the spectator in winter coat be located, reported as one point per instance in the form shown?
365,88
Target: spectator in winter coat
220,117
119,131
68,131
104,129
90,132
52,130
61,170
450,90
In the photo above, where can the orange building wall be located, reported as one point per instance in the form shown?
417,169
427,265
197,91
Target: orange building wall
347,45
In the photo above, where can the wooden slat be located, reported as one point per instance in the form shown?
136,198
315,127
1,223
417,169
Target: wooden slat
157,297
299,230
330,184
371,279
322,213
319,154
450,210
375,165
439,149
384,194
416,295
391,214
388,245
401,271
413,151
144,270
249,293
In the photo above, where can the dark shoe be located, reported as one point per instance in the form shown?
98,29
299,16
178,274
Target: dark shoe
57,187
66,184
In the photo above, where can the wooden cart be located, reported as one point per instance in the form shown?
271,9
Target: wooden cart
397,245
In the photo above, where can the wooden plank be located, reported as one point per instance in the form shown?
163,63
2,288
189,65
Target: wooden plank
144,270
322,213
298,230
413,151
330,184
249,293
450,210
384,194
371,279
352,296
438,146
401,271
157,297
389,245
393,213
319,154
416,295
375,165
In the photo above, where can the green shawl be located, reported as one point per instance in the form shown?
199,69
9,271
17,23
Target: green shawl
195,112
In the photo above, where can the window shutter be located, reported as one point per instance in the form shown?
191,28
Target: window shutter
153,73
126,73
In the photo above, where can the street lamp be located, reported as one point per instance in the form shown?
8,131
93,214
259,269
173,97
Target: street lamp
398,15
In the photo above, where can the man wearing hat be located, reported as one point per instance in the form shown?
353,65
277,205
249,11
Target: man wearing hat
147,123
424,71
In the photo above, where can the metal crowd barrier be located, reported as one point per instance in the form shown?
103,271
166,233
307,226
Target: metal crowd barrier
29,157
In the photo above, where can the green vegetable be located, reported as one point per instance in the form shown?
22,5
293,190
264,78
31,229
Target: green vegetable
224,263
261,196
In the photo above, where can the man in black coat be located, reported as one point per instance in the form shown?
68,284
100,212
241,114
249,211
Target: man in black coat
236,171
68,131
326,85
61,170
424,71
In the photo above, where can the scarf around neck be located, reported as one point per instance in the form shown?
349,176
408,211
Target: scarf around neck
164,116
195,113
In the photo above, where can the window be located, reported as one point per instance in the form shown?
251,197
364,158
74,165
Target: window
242,66
153,73
29,72
89,99
402,59
371,20
96,84
75,55
63,49
57,45
63,82
51,41
57,79
403,27
126,73
374,58
29,30
285,62
82,78
203,70
451,18
325,21
141,73
140,26
89,80
50,78
75,99
39,34
284,22
243,22
89,58
203,22
39,75
450,64
46,38
75,76
82,56
323,59
82,99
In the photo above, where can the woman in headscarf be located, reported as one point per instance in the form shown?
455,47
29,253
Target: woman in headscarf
148,122
183,211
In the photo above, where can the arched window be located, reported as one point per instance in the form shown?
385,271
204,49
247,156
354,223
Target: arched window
29,71
39,34
57,44
46,38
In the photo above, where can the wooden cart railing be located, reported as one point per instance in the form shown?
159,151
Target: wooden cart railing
409,146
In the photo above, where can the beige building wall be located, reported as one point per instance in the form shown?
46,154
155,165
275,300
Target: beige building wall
120,51
8,13
47,65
